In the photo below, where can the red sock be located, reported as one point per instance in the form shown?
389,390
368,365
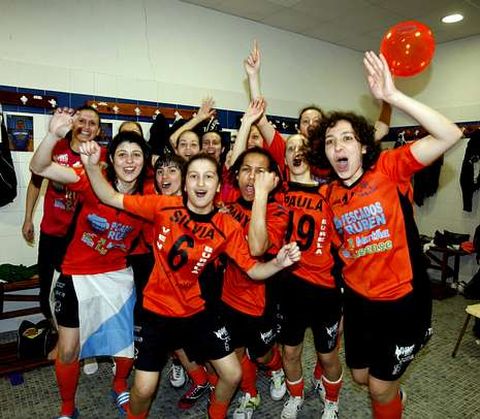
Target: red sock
212,378
67,380
390,410
123,368
318,371
249,376
130,415
276,362
332,388
198,376
217,409
295,388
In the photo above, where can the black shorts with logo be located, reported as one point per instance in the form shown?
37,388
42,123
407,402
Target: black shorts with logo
65,302
203,336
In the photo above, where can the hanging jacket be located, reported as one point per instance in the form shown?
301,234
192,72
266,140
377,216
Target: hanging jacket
469,175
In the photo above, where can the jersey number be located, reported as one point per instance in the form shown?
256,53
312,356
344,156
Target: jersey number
305,230
178,257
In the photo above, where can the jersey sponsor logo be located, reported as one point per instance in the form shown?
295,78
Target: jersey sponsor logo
361,219
162,236
198,230
206,255
62,159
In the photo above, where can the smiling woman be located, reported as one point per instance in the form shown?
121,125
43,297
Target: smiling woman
94,275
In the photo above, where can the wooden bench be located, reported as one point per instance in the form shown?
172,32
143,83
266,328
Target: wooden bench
9,362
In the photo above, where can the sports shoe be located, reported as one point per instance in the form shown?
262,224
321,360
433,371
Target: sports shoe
176,375
246,406
192,395
74,415
291,407
330,410
90,366
278,388
319,388
120,400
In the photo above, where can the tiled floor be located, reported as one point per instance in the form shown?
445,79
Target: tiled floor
437,385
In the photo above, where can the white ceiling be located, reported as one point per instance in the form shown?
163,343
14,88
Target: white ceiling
355,24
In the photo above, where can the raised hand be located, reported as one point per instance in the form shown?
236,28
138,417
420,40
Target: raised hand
90,154
288,255
265,182
61,122
255,110
206,110
252,62
379,78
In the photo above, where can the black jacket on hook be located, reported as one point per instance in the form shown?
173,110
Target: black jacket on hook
469,180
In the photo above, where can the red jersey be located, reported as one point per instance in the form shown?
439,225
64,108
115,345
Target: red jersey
60,202
184,243
310,224
103,235
370,217
239,291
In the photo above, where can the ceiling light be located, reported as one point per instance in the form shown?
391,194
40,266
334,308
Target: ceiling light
454,18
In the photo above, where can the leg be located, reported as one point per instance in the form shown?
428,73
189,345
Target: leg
67,367
229,376
144,386
386,400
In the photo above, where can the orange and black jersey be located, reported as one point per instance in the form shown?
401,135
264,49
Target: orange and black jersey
184,242
310,224
374,217
239,291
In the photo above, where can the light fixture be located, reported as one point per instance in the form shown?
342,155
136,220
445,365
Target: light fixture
453,18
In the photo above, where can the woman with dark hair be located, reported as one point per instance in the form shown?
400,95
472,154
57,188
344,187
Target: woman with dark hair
247,304
387,302
95,295
189,233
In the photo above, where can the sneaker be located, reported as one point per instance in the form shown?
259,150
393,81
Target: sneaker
192,395
278,388
176,375
330,410
90,366
74,415
319,388
246,406
120,400
292,407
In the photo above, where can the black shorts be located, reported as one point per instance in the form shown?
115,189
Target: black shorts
203,336
307,305
66,302
256,333
384,336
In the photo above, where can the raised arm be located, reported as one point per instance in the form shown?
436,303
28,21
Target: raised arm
42,163
204,113
252,68
258,240
90,155
287,256
382,124
253,112
443,133
33,192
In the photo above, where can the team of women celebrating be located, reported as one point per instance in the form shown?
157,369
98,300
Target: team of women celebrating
235,255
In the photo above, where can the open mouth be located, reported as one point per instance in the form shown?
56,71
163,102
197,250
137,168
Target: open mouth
165,185
297,161
200,193
341,164
250,189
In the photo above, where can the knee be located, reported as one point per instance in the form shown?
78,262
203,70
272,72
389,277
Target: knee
291,354
142,390
360,377
68,354
382,391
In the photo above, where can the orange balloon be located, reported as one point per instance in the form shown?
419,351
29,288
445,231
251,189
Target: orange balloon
408,48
